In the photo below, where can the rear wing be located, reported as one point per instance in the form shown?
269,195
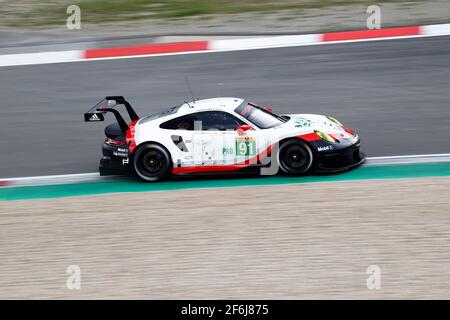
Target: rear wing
97,112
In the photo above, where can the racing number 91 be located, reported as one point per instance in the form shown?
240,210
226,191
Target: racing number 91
245,146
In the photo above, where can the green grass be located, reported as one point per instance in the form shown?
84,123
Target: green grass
100,11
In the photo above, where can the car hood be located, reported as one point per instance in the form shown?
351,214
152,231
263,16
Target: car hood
313,122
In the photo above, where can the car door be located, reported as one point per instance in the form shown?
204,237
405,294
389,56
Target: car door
215,143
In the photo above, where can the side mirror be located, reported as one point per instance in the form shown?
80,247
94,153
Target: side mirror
242,128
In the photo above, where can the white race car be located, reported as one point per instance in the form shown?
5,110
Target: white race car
222,135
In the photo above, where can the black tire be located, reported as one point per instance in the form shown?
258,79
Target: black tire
152,162
295,157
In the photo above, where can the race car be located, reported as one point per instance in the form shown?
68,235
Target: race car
222,135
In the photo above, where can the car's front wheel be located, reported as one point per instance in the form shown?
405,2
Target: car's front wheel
152,162
295,157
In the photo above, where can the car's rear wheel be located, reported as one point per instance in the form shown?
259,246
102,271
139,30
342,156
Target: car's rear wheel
152,162
295,157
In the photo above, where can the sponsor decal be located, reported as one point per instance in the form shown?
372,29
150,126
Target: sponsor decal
94,117
302,123
120,154
325,148
125,161
227,151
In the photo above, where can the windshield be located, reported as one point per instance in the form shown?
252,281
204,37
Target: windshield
261,117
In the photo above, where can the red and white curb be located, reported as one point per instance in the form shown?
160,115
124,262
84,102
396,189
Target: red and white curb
92,177
223,45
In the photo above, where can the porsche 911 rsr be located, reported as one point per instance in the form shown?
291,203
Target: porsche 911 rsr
222,135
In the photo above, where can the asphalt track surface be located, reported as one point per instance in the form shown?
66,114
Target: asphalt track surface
395,93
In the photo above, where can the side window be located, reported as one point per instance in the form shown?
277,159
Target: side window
217,120
210,120
184,123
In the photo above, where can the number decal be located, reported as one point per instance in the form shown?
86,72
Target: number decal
245,146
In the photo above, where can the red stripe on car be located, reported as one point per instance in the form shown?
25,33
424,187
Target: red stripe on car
309,137
349,131
129,136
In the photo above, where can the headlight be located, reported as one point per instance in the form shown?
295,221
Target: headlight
335,121
324,136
